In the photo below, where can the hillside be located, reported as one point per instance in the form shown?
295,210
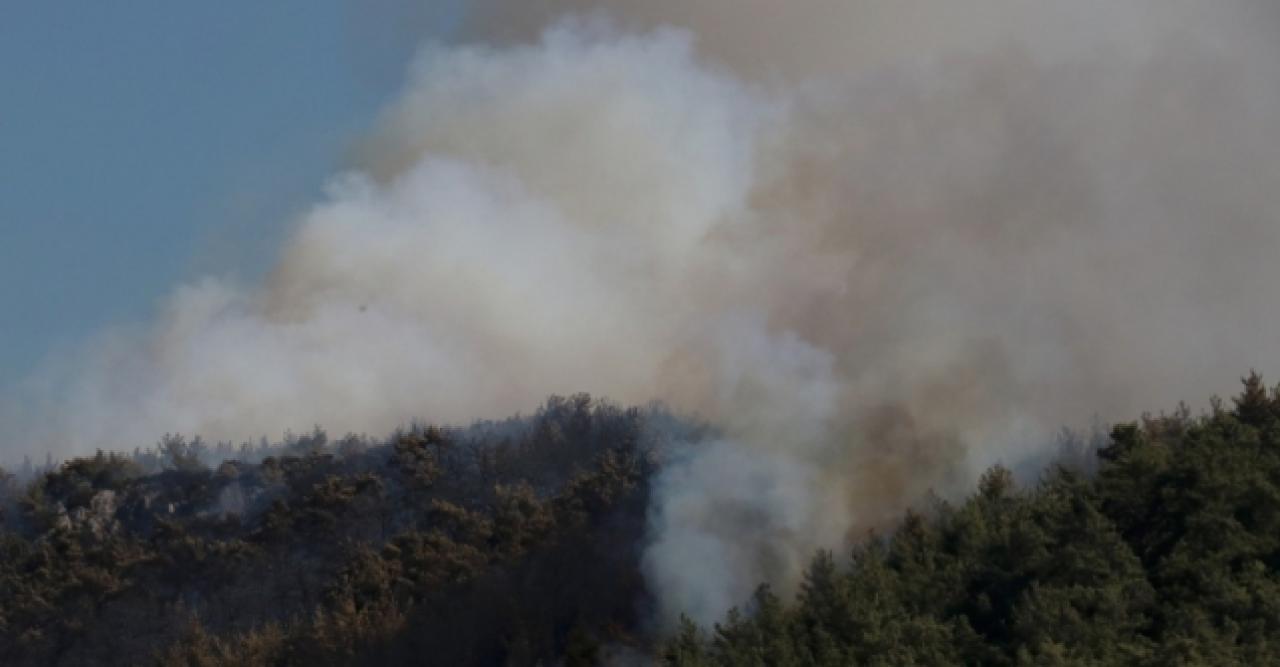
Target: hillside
1169,555
511,541
519,543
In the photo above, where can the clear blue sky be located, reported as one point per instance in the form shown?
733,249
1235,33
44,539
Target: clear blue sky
147,142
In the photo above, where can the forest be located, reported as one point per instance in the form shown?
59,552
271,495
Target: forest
518,542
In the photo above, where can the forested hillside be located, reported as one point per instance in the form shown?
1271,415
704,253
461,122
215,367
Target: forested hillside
1168,555
503,543
519,542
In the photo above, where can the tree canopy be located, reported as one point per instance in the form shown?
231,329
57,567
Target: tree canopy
519,543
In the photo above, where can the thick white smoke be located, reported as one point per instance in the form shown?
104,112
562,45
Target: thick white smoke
509,254
882,245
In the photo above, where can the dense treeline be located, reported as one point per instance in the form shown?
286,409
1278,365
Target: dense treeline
519,543
1168,555
508,542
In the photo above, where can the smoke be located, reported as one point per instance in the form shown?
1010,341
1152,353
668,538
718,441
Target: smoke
880,244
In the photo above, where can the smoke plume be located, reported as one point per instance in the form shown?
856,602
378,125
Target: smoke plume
880,244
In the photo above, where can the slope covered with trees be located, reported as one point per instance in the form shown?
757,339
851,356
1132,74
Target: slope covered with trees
519,543
1168,555
511,542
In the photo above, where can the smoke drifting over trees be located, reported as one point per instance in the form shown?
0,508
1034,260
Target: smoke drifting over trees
880,245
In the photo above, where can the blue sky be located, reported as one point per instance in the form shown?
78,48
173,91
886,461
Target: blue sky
148,142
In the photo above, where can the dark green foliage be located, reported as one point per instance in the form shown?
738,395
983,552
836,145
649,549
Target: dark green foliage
519,543
511,542
1169,555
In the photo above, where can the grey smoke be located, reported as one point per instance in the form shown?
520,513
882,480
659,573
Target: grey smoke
880,244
